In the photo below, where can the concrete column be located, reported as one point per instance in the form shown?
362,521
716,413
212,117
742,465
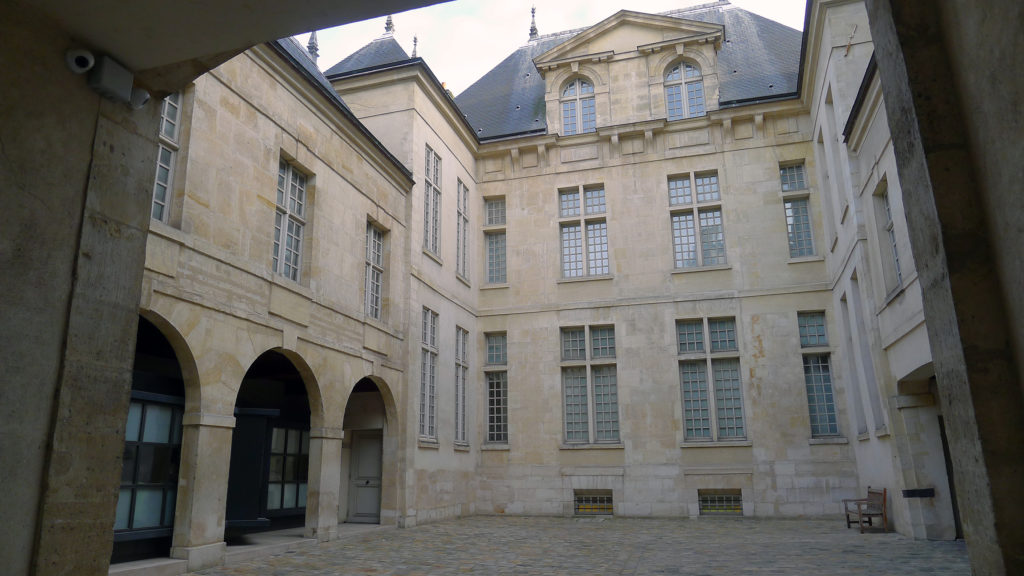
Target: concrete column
202,489
952,96
324,483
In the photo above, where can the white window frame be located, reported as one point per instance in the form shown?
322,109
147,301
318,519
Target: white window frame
817,368
583,232
289,220
432,202
428,376
496,376
697,220
374,284
495,242
892,274
578,107
461,377
593,366
684,91
713,408
169,135
462,231
796,204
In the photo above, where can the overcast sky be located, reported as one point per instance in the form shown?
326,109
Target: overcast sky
462,40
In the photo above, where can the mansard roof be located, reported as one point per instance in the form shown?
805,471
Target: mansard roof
383,50
759,59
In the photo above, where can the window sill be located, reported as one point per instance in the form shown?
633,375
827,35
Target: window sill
802,259
461,447
863,436
428,443
585,279
718,444
433,257
702,269
589,446
494,227
463,279
828,440
494,286
494,447
882,432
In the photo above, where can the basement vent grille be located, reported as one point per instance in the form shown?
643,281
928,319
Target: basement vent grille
720,502
592,502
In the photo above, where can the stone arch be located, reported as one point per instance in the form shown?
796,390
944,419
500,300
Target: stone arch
669,59
565,75
312,384
370,493
186,359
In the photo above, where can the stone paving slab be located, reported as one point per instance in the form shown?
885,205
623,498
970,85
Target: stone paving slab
565,546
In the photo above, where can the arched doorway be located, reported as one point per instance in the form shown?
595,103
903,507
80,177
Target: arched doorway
144,521
363,453
269,468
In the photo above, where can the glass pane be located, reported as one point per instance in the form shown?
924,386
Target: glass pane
176,428
131,431
276,468
277,441
290,494
305,443
302,495
158,423
169,498
128,464
289,468
273,496
293,442
156,464
148,503
124,507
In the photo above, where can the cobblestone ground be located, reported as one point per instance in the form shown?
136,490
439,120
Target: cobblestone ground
561,546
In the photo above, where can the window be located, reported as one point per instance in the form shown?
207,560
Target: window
714,413
167,150
578,115
374,271
496,373
461,374
720,502
592,502
432,203
494,208
583,226
289,469
289,220
684,78
462,232
796,202
149,472
817,374
590,385
698,233
428,375
891,273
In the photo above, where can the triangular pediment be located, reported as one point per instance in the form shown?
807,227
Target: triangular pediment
628,31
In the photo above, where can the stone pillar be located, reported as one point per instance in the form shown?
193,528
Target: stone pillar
202,489
324,483
953,104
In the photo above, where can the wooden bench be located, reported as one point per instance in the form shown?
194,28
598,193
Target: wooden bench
867,508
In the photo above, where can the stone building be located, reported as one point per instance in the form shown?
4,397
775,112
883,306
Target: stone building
675,280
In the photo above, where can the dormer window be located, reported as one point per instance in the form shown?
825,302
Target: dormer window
578,116
684,91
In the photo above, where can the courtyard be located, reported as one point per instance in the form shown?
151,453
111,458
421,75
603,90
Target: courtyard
548,546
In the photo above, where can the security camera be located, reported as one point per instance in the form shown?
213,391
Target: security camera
80,60
139,98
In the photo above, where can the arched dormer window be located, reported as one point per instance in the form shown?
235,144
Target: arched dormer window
684,91
578,116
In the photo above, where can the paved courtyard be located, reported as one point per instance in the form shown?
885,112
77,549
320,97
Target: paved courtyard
550,546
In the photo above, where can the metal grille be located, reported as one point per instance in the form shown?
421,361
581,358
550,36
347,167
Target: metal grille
798,227
593,503
720,502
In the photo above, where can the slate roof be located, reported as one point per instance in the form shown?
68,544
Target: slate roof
759,59
383,50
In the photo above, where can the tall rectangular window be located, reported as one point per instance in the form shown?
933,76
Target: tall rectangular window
496,373
821,403
797,206
461,375
698,230
462,232
432,202
589,385
494,235
289,220
712,407
886,232
428,375
374,288
167,151
583,232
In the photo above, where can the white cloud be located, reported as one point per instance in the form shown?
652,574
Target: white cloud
462,40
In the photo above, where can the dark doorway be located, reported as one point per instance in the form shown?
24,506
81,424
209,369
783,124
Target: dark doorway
269,466
152,452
